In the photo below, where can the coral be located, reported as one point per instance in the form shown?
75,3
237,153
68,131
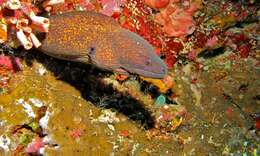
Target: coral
21,19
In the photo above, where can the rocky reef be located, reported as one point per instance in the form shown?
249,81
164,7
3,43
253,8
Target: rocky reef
208,104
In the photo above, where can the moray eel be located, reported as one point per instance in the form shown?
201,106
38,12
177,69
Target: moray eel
97,39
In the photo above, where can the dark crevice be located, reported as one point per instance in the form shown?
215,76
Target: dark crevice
212,53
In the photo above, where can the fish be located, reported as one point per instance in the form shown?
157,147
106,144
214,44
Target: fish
92,38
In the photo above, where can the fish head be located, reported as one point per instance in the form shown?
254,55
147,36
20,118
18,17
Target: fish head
125,52
135,55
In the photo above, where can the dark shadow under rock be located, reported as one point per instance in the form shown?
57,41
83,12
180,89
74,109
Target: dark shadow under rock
88,80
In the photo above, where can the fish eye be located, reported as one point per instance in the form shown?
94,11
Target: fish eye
92,50
148,62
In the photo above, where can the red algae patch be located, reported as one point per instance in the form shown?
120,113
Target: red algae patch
157,3
177,18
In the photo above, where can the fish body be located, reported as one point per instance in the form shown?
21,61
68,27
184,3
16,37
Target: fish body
93,38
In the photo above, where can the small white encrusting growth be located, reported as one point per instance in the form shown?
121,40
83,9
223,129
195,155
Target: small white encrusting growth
42,22
27,108
13,4
49,3
35,40
45,120
5,142
27,44
55,2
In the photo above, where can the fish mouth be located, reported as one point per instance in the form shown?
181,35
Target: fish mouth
151,74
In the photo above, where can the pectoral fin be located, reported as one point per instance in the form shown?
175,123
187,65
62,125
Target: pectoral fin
121,71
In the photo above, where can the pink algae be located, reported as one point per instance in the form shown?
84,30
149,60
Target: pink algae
212,42
11,63
177,18
35,146
111,6
157,3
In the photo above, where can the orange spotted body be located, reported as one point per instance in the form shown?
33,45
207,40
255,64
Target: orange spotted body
93,38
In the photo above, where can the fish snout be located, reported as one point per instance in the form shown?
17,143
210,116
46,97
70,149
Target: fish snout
152,68
136,55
